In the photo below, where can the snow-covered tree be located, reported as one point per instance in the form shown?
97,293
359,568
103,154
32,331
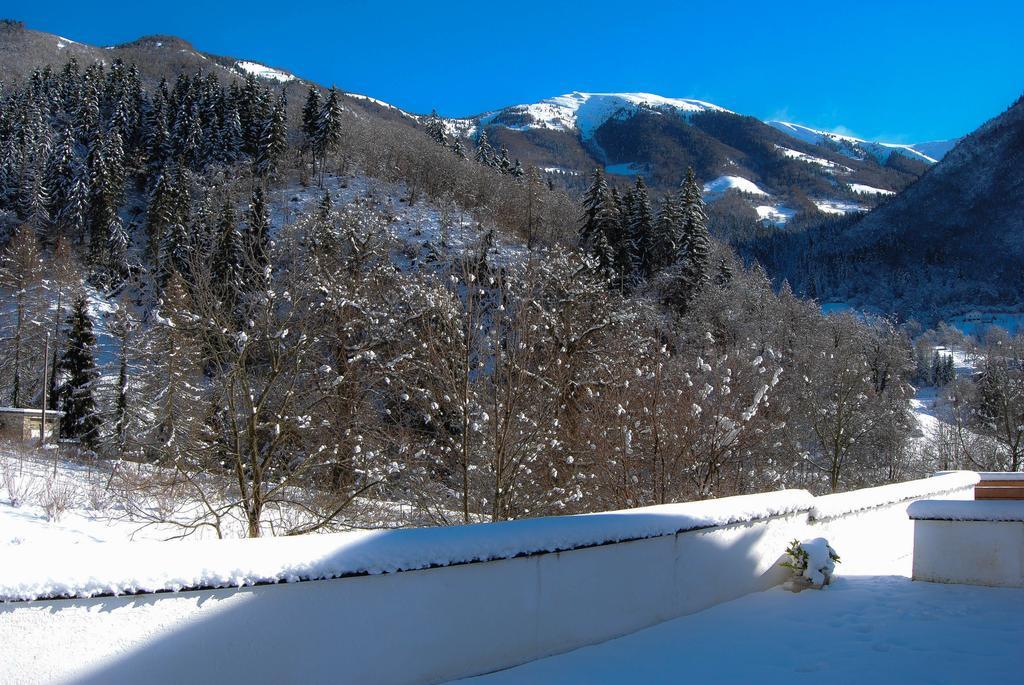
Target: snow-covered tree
78,376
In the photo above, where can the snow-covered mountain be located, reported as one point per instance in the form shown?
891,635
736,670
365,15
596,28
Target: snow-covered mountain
584,112
858,148
754,170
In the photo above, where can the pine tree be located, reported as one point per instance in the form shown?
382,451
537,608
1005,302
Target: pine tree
504,164
310,119
228,259
253,110
159,218
459,149
106,190
173,363
612,223
604,254
230,133
78,378
641,231
272,143
666,231
435,129
328,130
61,175
695,238
75,213
257,248
593,201
484,152
158,136
326,205
724,277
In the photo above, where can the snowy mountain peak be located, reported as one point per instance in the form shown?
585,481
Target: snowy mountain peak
586,112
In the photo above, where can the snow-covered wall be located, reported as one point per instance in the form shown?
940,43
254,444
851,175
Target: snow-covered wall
976,543
411,606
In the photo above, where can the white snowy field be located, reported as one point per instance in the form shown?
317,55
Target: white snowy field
862,629
48,504
43,503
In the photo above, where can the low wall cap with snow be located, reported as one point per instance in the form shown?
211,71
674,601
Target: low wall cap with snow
990,475
967,510
114,568
834,506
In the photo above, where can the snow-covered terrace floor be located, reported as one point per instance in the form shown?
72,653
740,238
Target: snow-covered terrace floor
863,629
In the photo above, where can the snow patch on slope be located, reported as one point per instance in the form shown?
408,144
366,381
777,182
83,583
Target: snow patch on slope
777,215
380,103
725,183
869,190
263,71
837,207
810,159
63,42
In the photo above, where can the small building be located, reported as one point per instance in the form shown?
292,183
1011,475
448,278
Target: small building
25,425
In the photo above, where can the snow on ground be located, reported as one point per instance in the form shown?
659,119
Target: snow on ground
977,322
28,487
262,71
876,629
837,206
725,183
777,214
119,568
811,159
560,171
460,128
928,404
63,42
47,502
869,190
421,227
381,103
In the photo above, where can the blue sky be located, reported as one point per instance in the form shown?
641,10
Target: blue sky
902,71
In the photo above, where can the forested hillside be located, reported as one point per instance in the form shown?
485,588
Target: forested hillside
289,310
950,243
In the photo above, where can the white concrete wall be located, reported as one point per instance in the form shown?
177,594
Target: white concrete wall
398,628
970,552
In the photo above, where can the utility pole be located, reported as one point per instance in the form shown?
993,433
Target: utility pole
46,382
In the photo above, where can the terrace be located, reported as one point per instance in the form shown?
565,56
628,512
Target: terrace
651,595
